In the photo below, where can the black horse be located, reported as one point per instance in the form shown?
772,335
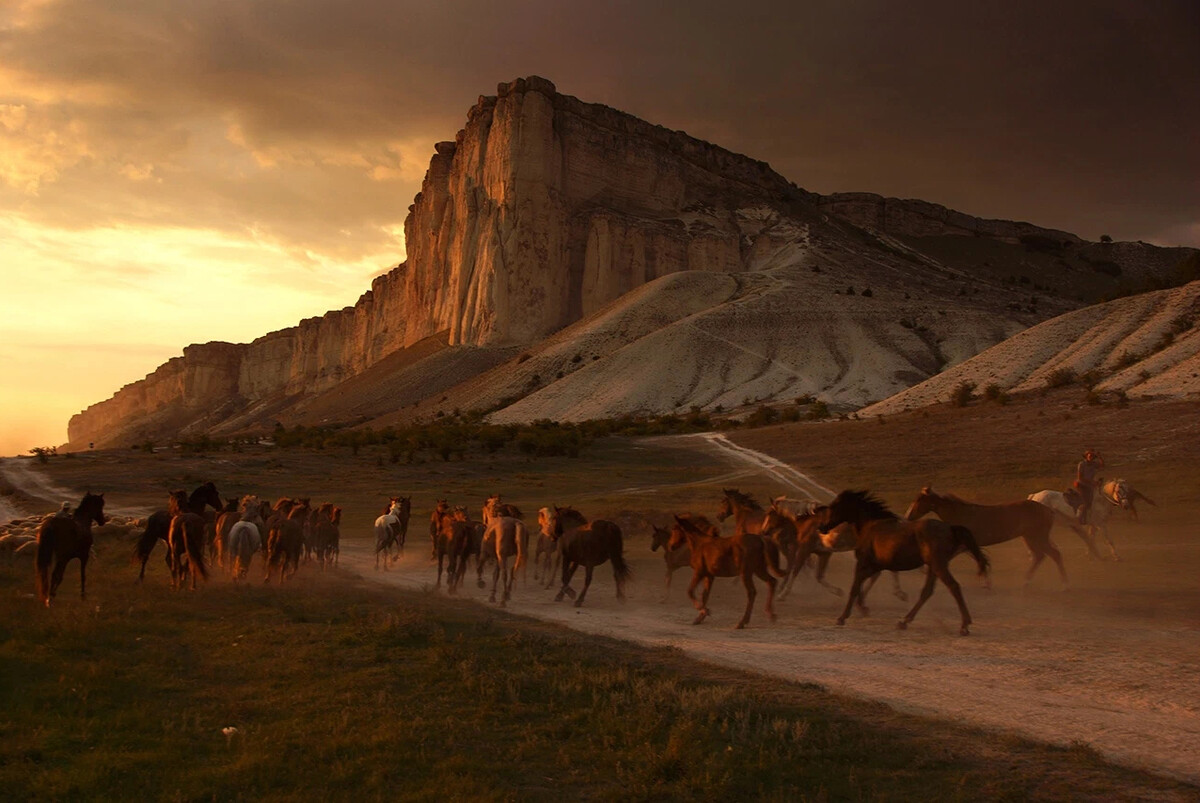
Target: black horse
60,539
158,525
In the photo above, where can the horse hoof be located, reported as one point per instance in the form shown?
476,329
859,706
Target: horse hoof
695,621
772,616
480,584
902,625
578,603
864,610
841,622
740,626
903,597
558,597
963,631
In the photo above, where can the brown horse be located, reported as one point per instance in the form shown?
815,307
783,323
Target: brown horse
472,545
61,539
451,539
286,539
588,545
326,532
995,524
744,555
230,515
887,542
158,525
675,558
186,538
505,537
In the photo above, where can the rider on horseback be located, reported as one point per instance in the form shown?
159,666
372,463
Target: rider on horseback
1087,480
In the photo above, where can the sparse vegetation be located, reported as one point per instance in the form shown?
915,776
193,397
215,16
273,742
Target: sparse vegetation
994,393
1060,377
43,453
962,394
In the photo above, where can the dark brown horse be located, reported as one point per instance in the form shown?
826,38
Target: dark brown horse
286,540
995,524
61,539
327,533
186,538
462,551
588,545
887,542
158,525
229,516
744,555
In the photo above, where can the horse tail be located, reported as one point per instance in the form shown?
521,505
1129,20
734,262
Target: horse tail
45,556
771,550
965,539
621,569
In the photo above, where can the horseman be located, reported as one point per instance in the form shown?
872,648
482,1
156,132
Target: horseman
1087,480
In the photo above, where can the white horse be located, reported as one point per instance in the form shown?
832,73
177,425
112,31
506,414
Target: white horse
245,537
391,529
1097,519
1124,495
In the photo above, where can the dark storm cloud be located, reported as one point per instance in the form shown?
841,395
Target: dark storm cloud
1083,116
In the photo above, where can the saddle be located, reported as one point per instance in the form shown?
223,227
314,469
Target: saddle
1073,496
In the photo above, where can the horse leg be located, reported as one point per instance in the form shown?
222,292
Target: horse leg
60,567
822,566
897,591
948,580
926,591
587,581
703,606
495,579
691,593
1088,539
790,572
667,592
568,571
861,573
1111,546
1036,558
83,559
751,593
1056,556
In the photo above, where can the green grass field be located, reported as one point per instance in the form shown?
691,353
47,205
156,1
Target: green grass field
340,690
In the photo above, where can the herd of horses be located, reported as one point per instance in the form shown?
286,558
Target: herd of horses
770,543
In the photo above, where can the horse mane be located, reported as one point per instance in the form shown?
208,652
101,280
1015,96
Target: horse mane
744,499
177,502
866,501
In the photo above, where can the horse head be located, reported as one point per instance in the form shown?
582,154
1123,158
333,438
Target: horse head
91,508
855,507
205,496
659,537
924,503
177,502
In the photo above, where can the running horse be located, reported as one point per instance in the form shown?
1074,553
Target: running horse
61,539
745,555
391,528
186,537
995,524
587,544
1124,496
507,537
158,525
887,542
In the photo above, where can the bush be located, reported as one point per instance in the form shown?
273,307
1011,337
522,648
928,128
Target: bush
963,393
995,393
818,411
1060,377
764,415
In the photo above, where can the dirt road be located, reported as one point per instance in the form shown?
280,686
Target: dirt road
1113,664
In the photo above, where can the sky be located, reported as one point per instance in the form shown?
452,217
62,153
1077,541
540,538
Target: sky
182,171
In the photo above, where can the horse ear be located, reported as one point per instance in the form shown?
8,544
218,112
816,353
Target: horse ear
927,489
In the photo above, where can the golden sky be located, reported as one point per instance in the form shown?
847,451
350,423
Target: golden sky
181,171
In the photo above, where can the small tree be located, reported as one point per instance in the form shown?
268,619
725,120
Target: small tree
1104,238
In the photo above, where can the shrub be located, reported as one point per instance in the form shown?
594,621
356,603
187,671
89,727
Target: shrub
962,394
1060,377
818,411
994,392
764,415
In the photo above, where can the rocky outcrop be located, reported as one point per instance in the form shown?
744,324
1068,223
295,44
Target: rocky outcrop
545,210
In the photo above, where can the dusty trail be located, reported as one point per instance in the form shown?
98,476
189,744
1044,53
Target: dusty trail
1064,669
20,474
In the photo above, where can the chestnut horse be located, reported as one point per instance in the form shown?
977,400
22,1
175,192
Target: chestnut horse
744,555
285,538
887,542
158,525
588,545
61,539
546,557
674,558
186,537
995,524
507,537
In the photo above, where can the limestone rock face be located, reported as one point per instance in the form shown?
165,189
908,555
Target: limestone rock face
545,211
